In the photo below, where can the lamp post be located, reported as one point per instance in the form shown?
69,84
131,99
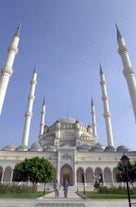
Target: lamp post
84,182
44,184
125,160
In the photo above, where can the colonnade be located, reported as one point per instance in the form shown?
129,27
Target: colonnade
87,176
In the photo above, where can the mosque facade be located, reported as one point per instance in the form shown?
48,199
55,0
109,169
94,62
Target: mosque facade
68,144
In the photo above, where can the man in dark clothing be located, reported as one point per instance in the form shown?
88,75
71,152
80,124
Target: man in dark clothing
65,188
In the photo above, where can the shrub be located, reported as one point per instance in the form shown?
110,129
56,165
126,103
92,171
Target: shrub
116,190
17,189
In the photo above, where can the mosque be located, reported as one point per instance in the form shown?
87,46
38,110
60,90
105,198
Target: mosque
68,144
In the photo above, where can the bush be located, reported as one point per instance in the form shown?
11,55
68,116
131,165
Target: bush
116,190
17,189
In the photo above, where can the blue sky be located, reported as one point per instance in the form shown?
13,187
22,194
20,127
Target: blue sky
68,38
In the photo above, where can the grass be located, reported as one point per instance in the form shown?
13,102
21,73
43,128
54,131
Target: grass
23,195
95,195
90,195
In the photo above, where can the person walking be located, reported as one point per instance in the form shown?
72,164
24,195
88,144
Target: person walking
65,188
56,188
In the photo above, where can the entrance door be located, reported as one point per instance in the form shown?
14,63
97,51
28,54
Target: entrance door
66,174
66,177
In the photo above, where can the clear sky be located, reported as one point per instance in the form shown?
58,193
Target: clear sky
68,38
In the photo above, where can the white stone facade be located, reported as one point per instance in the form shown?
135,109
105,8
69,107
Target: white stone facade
74,153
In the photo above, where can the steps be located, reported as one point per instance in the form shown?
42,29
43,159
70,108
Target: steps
72,195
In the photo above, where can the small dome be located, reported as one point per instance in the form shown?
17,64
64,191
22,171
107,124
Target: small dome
36,147
85,135
83,147
110,149
22,148
97,147
122,148
57,121
10,147
51,148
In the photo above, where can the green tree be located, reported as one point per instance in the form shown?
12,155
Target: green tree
97,184
130,170
35,170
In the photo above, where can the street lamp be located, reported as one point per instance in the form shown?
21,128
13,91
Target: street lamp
84,182
125,160
44,184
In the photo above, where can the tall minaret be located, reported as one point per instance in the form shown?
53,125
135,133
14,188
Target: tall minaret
128,71
42,123
7,70
106,114
94,130
28,114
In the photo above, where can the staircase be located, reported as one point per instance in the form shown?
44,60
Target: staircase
72,195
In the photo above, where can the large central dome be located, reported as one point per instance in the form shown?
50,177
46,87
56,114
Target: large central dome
67,120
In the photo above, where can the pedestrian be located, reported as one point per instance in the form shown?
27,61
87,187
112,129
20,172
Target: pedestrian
65,188
56,188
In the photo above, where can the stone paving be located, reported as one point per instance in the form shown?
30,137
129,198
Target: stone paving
73,200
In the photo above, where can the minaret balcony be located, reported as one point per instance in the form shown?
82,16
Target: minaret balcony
7,70
122,49
13,49
128,70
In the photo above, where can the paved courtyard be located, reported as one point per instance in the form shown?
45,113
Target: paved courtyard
73,200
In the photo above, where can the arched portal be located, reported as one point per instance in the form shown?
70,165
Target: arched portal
80,177
66,174
107,175
89,175
7,174
98,172
116,175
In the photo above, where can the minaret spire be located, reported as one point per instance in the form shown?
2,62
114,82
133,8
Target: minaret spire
106,114
128,71
119,35
42,123
17,33
28,114
7,70
94,130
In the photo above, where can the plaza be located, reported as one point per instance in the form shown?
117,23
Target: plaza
73,200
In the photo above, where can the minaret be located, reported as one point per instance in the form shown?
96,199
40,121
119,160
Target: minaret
28,114
7,70
128,71
106,114
43,113
93,118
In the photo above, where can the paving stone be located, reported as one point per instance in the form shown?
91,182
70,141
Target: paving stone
61,204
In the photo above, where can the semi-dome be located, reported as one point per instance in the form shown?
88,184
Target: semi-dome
36,147
10,147
83,147
122,148
50,148
97,147
110,149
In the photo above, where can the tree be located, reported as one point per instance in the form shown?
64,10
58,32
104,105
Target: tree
131,172
35,170
97,184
